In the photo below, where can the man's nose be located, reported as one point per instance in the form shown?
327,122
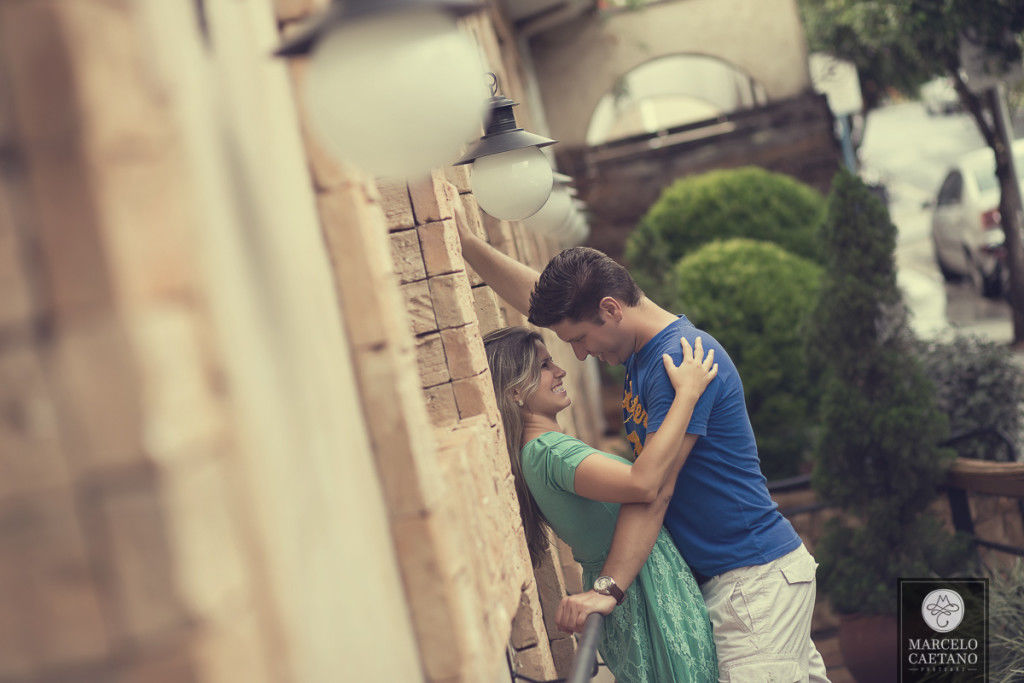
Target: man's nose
580,351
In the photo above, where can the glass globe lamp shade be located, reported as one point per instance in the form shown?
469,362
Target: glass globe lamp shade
396,93
554,212
512,185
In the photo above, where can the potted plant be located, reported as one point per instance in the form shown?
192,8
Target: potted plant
877,457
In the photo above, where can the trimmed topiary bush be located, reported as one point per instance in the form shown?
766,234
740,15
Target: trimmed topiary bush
878,457
719,205
754,298
978,386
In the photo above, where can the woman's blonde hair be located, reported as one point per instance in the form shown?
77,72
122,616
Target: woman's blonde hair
512,356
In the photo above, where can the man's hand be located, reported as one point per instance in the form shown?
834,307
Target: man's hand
572,612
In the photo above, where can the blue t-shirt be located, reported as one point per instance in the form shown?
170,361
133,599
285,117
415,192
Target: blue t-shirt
721,515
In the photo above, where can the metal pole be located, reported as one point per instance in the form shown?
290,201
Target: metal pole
848,156
585,666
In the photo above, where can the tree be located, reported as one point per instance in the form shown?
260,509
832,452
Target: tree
878,457
897,43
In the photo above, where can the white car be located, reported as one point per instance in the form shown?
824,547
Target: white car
939,97
966,229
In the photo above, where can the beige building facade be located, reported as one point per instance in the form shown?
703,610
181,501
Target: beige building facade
248,431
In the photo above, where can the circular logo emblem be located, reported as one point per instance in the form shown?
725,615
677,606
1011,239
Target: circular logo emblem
943,610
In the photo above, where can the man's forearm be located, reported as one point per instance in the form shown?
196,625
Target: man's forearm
638,526
510,279
635,533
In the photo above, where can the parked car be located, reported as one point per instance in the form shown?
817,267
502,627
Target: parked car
939,97
966,230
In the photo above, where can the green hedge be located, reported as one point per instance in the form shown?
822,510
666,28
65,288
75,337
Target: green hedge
978,386
753,297
719,205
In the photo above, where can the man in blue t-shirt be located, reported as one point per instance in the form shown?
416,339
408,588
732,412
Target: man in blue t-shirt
756,577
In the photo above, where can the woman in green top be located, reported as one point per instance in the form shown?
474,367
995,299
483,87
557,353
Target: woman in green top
660,633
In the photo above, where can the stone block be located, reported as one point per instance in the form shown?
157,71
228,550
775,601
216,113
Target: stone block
407,257
397,205
551,588
290,10
563,652
179,394
73,265
366,286
98,392
425,551
452,300
528,623
459,177
441,407
30,453
327,172
499,234
536,662
399,415
488,310
464,350
442,252
235,649
420,307
211,571
129,514
53,608
16,308
433,198
430,358
572,573
467,213
475,396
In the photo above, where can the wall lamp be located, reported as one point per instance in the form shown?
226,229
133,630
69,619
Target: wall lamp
511,178
550,217
393,86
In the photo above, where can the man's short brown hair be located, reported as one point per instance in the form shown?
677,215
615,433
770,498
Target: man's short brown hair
573,284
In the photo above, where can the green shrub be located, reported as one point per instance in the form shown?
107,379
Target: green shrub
753,297
719,205
978,386
1006,602
878,457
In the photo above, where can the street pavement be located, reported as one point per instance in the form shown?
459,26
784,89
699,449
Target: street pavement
910,152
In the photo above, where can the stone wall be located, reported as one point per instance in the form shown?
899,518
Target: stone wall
248,431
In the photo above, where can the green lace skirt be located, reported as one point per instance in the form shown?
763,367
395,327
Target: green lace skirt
661,633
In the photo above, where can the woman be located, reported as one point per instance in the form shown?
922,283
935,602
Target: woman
661,632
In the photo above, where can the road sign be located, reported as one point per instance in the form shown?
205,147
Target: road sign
837,80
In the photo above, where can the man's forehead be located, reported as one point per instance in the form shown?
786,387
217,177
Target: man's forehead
569,329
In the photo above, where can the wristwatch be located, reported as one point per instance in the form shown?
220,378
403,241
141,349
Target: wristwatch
605,585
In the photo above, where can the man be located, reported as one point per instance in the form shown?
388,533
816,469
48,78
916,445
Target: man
757,579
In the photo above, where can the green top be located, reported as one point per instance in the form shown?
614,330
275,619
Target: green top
661,633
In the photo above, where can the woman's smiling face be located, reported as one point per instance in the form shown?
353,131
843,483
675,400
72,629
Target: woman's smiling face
550,396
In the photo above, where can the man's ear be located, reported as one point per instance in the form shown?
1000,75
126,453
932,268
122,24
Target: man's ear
612,307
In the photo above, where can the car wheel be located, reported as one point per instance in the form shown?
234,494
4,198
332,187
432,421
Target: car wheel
989,285
948,274
992,284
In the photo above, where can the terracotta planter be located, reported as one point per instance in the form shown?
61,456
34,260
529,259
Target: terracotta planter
870,646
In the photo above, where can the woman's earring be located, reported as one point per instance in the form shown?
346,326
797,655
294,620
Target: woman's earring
519,402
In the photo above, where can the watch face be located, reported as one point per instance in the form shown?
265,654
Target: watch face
602,583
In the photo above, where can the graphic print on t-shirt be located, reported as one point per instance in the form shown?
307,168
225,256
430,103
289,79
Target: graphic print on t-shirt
633,418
